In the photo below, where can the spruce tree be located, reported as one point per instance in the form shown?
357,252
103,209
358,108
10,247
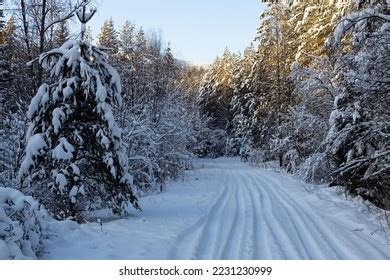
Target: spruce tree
357,143
241,104
108,36
75,159
127,37
61,34
140,41
88,36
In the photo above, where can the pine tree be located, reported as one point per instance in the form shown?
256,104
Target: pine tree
241,105
357,143
75,160
216,91
12,120
313,22
170,69
270,79
127,37
140,41
61,34
88,37
108,36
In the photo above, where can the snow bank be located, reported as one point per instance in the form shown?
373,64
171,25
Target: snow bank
22,226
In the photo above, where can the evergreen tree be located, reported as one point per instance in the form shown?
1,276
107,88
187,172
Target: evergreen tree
141,43
170,68
127,38
108,36
313,23
75,160
216,91
357,144
12,120
88,37
270,79
61,34
242,104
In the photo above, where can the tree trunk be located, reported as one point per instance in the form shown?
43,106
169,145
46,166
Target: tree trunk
42,38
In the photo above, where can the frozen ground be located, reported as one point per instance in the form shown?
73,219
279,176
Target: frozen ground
227,209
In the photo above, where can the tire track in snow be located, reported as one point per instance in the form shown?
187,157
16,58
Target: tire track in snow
281,236
335,242
209,242
261,249
251,214
358,237
186,238
317,233
233,243
255,217
305,248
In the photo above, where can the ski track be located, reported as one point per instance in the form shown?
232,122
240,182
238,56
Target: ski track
229,210
310,217
256,217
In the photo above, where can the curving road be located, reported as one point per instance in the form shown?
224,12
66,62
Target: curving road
259,215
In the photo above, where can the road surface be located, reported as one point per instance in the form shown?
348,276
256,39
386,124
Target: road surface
229,210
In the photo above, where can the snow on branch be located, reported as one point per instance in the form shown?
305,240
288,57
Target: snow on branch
355,19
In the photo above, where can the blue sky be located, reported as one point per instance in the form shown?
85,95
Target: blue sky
198,30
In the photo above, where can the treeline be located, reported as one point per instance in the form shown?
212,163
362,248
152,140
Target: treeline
312,95
159,118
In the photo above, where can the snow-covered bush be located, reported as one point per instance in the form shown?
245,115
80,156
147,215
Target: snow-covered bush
22,226
211,143
157,127
157,150
302,133
315,169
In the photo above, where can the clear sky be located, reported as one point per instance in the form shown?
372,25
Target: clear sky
198,30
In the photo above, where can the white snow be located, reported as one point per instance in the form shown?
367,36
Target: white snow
4,250
108,115
127,178
37,99
58,117
101,92
61,181
68,91
230,210
35,144
75,169
116,83
72,194
72,54
64,150
34,147
385,27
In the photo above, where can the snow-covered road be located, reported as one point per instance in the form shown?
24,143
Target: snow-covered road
230,210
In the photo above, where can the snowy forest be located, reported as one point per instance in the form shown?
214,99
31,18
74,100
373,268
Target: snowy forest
103,125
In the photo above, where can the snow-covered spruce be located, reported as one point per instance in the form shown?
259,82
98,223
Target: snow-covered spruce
22,226
75,159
